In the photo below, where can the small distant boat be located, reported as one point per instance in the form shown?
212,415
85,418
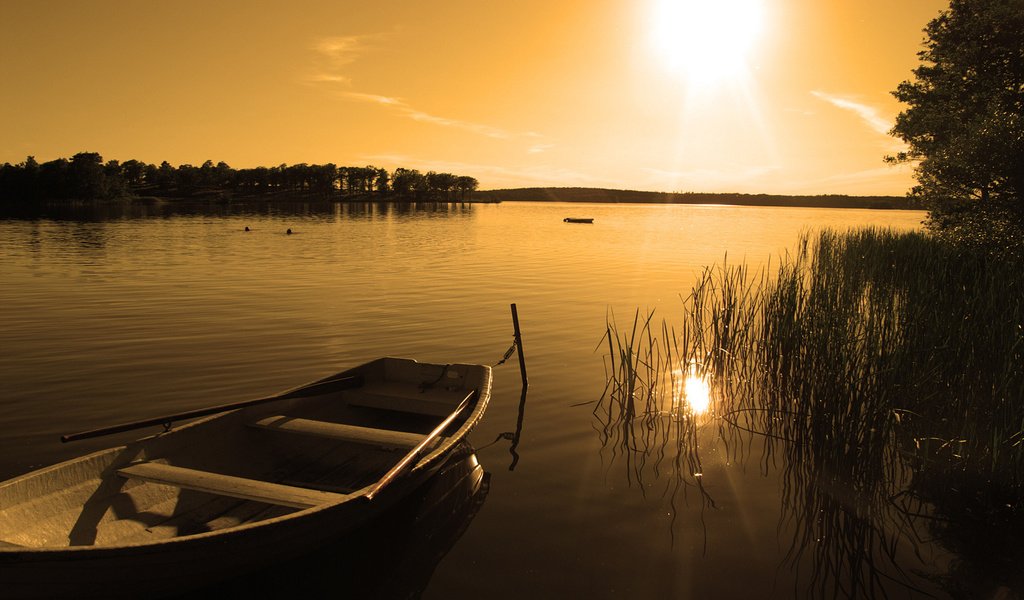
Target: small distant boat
577,220
272,479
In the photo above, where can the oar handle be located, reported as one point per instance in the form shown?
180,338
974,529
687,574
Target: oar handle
318,387
408,460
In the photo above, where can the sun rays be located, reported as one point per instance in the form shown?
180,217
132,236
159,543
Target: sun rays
709,44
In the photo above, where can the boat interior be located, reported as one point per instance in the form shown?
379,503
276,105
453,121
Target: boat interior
249,465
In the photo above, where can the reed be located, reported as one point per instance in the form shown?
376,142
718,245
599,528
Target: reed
884,369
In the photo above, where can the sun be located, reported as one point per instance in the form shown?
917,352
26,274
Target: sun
707,42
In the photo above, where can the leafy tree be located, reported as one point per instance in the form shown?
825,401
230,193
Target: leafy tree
440,185
165,176
30,166
188,178
52,180
87,176
324,177
965,121
276,176
150,174
223,174
133,171
19,182
405,181
207,174
466,184
114,183
381,181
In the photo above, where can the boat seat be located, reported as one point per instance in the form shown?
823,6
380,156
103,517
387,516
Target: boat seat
337,431
405,397
228,485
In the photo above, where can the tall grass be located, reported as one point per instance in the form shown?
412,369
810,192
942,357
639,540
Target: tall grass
884,369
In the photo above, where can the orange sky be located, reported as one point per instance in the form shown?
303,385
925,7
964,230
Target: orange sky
661,95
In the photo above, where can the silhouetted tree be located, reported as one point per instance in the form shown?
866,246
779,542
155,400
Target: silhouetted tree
466,184
151,175
381,181
188,178
965,121
133,172
324,178
19,183
224,175
52,181
165,176
409,183
87,177
114,183
440,185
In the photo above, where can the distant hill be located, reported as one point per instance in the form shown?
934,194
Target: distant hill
631,196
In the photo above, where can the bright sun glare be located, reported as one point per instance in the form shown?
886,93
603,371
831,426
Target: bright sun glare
697,394
692,393
708,42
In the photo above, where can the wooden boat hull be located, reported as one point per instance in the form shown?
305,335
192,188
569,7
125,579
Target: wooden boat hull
391,556
177,566
82,529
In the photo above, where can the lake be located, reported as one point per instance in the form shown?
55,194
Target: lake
117,314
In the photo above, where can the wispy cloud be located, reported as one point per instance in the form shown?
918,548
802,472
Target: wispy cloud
342,50
538,148
373,98
401,107
328,78
335,53
869,114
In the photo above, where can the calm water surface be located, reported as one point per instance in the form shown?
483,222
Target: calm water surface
131,314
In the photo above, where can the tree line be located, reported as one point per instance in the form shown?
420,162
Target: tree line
85,176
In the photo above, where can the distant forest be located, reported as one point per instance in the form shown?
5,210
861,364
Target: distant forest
628,196
86,177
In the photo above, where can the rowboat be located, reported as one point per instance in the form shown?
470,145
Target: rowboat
578,220
270,480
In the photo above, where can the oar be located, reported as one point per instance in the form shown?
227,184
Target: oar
414,454
319,387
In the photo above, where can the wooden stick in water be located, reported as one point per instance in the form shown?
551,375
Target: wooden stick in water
519,345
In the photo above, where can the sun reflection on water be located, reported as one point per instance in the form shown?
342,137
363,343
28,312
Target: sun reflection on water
697,394
691,391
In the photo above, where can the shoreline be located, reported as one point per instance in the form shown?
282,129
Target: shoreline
538,195
609,196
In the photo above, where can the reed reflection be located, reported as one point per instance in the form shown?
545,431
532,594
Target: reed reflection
837,372
650,412
841,472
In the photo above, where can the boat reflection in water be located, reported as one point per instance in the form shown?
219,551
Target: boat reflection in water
392,556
